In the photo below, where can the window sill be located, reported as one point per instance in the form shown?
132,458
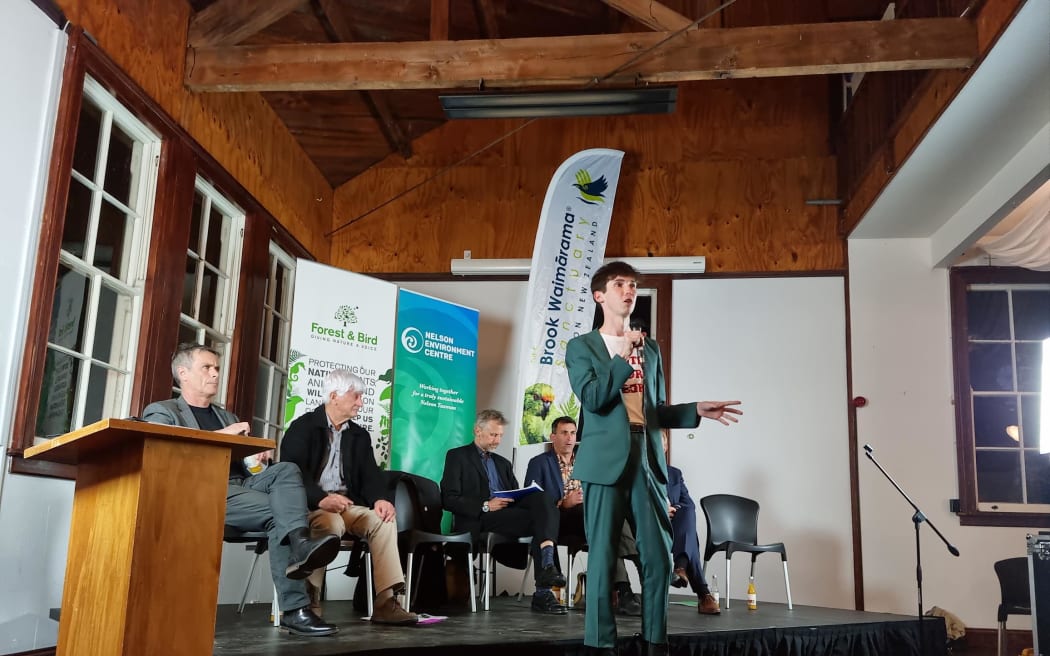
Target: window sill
1029,520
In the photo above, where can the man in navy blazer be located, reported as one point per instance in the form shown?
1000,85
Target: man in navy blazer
685,545
552,470
272,500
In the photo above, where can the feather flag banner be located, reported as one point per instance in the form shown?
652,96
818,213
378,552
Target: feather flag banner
570,246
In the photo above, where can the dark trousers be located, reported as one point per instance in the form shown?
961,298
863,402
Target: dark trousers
533,515
686,545
572,525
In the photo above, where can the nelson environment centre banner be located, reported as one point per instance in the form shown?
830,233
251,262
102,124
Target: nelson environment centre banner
570,246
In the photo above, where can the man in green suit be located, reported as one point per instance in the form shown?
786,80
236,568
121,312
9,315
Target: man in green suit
618,375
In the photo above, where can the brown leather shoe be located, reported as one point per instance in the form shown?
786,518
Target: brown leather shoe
391,612
708,606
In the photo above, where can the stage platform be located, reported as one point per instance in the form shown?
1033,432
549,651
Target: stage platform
509,628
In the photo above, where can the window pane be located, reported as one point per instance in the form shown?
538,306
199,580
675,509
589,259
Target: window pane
111,333
1030,418
85,153
1029,363
218,229
195,222
188,334
68,314
258,428
189,287
280,283
991,417
275,340
276,397
55,413
1031,314
262,386
988,314
78,214
990,368
104,395
119,165
209,293
999,476
1037,475
113,227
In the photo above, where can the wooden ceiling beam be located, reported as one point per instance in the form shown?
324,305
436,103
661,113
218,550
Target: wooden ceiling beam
439,19
339,28
655,15
766,51
487,22
228,22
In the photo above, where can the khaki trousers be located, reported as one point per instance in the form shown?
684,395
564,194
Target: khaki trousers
363,523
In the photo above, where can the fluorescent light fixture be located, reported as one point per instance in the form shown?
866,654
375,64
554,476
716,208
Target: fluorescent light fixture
1044,401
521,267
589,102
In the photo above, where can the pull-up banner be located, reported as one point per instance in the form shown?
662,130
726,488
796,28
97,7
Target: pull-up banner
570,246
342,320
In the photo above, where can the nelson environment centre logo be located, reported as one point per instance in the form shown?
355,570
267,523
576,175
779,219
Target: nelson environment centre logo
590,190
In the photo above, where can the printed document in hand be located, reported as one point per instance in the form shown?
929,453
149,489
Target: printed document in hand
518,493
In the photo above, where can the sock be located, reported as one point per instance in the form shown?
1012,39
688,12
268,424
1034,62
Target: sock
623,587
704,590
540,591
547,556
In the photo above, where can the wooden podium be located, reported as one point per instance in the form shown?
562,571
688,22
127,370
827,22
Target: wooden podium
142,573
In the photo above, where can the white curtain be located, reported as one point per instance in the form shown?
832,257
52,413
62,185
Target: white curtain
1027,245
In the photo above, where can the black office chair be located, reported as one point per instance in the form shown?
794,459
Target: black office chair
507,550
419,503
258,542
732,526
1016,595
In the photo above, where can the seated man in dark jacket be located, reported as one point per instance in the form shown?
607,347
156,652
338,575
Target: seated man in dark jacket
553,471
345,489
272,500
685,547
473,473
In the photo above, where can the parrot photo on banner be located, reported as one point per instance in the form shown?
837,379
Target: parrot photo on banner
534,422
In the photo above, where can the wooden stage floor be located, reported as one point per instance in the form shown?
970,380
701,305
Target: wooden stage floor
509,628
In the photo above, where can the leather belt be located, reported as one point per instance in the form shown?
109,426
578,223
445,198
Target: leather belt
637,428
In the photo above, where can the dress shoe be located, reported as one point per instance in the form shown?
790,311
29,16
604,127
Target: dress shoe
309,554
628,604
550,577
708,606
544,602
579,595
679,579
305,623
391,612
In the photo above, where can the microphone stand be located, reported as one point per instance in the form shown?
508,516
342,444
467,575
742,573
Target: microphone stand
917,519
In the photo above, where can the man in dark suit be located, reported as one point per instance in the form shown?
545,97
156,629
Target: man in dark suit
552,470
685,547
617,373
473,473
345,489
272,500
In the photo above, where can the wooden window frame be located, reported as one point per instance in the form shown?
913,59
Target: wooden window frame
182,159
969,512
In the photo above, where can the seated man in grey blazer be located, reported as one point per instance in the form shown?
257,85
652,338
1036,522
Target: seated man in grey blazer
272,500
553,471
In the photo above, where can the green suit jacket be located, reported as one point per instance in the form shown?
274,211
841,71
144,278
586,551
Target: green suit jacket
596,379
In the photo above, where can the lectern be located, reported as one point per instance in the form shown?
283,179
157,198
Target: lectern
142,574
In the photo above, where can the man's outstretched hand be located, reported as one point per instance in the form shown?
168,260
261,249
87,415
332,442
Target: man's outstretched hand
720,411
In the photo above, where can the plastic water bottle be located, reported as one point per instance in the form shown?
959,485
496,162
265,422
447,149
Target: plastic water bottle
714,589
752,596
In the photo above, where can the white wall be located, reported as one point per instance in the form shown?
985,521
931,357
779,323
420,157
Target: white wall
778,345
902,363
34,512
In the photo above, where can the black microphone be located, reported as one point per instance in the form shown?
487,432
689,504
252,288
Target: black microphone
867,447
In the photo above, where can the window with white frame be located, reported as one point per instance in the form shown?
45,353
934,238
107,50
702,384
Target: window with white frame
209,291
1000,315
97,302
270,385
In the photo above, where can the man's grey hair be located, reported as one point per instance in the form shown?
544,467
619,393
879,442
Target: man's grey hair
183,357
485,416
341,381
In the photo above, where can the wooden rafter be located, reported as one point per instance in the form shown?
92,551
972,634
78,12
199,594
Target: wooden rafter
228,22
486,14
439,19
339,29
767,51
652,14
